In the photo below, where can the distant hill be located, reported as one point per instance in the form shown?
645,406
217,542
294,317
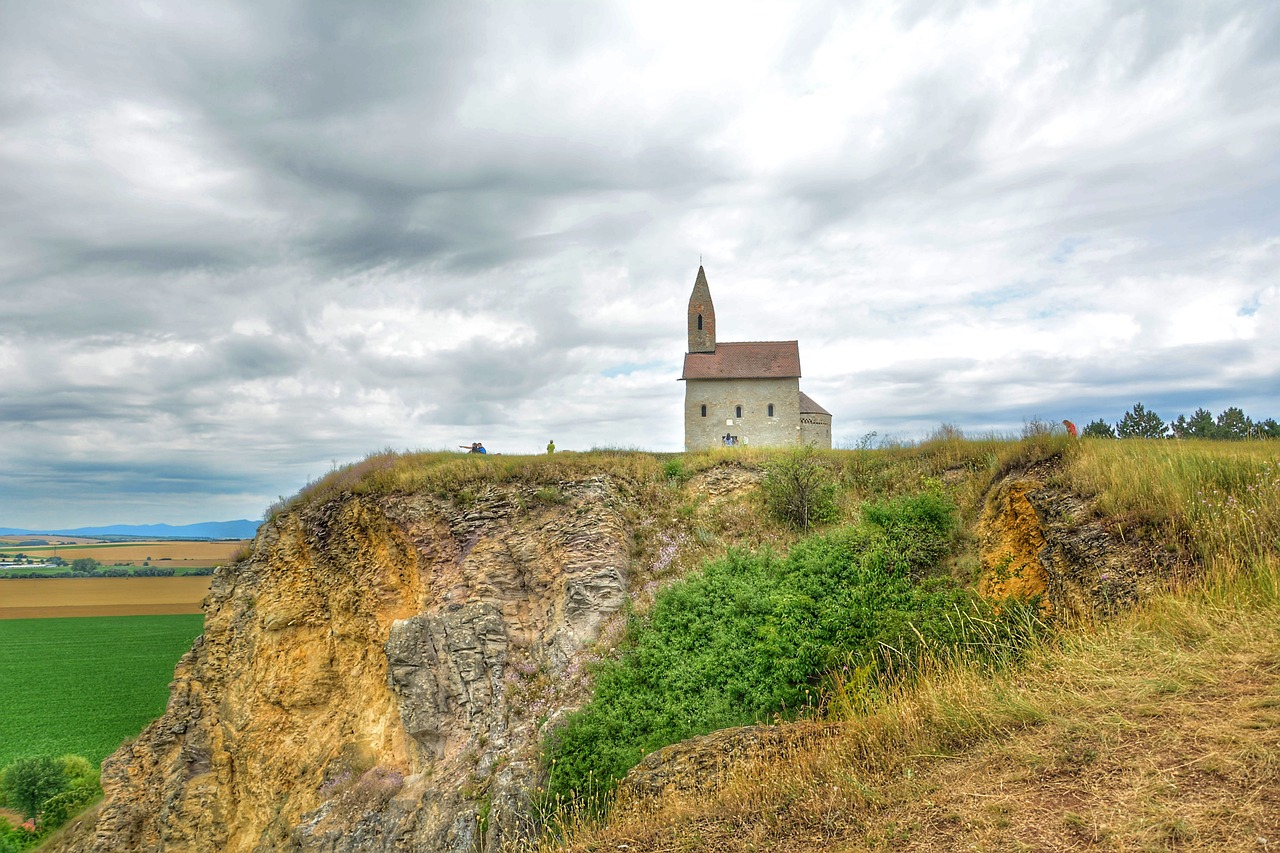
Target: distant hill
240,529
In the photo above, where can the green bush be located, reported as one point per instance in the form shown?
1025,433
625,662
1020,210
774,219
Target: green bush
51,789
12,839
28,782
60,808
799,490
753,635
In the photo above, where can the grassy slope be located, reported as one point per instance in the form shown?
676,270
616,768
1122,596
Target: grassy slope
83,685
1158,730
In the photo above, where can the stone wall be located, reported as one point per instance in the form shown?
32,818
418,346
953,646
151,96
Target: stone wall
754,428
815,430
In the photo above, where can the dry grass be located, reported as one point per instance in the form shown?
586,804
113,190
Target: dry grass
1159,731
454,475
1225,495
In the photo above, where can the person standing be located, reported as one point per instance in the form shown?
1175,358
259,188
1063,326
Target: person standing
551,447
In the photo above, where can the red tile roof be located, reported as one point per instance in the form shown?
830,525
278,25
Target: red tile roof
808,407
745,360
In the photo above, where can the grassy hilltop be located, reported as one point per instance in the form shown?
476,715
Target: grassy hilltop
1147,726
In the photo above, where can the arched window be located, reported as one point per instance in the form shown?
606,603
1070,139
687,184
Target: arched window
704,411
771,410
737,411
699,322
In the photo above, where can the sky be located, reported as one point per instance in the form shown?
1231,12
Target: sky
245,242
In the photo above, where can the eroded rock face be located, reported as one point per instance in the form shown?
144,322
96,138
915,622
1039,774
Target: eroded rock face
373,678
1037,539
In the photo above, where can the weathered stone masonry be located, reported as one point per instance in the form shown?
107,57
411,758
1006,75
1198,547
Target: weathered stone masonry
747,390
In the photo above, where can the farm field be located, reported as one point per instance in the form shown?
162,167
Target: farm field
85,685
61,597
167,553
8,541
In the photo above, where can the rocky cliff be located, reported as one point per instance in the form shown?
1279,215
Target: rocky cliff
375,676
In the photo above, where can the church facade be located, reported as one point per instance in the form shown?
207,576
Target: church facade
744,393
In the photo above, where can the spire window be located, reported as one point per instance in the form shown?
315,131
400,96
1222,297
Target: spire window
699,322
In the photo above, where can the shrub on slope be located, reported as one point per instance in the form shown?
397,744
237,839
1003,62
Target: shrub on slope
753,634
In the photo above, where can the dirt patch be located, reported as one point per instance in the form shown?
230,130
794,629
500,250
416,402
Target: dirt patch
1012,539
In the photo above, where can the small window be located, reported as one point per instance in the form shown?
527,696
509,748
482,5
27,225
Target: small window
704,411
737,411
771,410
699,322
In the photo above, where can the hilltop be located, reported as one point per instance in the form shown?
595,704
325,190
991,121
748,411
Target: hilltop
397,659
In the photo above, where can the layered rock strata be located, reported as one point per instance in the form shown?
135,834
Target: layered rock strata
374,677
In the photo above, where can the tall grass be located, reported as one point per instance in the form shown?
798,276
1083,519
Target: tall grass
1224,496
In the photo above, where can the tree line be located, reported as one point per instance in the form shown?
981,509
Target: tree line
1232,424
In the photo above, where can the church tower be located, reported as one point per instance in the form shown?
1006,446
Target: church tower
702,317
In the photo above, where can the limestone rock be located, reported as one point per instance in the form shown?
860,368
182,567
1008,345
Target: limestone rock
373,677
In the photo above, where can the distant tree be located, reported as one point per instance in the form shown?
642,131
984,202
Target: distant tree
1140,423
1201,425
1267,429
1233,424
57,561
88,565
1099,429
28,782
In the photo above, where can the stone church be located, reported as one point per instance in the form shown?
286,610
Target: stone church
744,393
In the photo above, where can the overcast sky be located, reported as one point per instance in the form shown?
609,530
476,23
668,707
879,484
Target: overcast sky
243,242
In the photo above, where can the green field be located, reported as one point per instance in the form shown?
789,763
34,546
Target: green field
84,685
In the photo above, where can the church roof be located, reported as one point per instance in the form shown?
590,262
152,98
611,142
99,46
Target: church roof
745,360
809,407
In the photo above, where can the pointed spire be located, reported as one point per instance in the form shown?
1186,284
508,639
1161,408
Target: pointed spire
702,316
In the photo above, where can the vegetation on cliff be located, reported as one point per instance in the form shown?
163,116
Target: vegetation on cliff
752,636
45,791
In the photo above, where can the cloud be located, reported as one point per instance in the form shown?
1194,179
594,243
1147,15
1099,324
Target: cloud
244,242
